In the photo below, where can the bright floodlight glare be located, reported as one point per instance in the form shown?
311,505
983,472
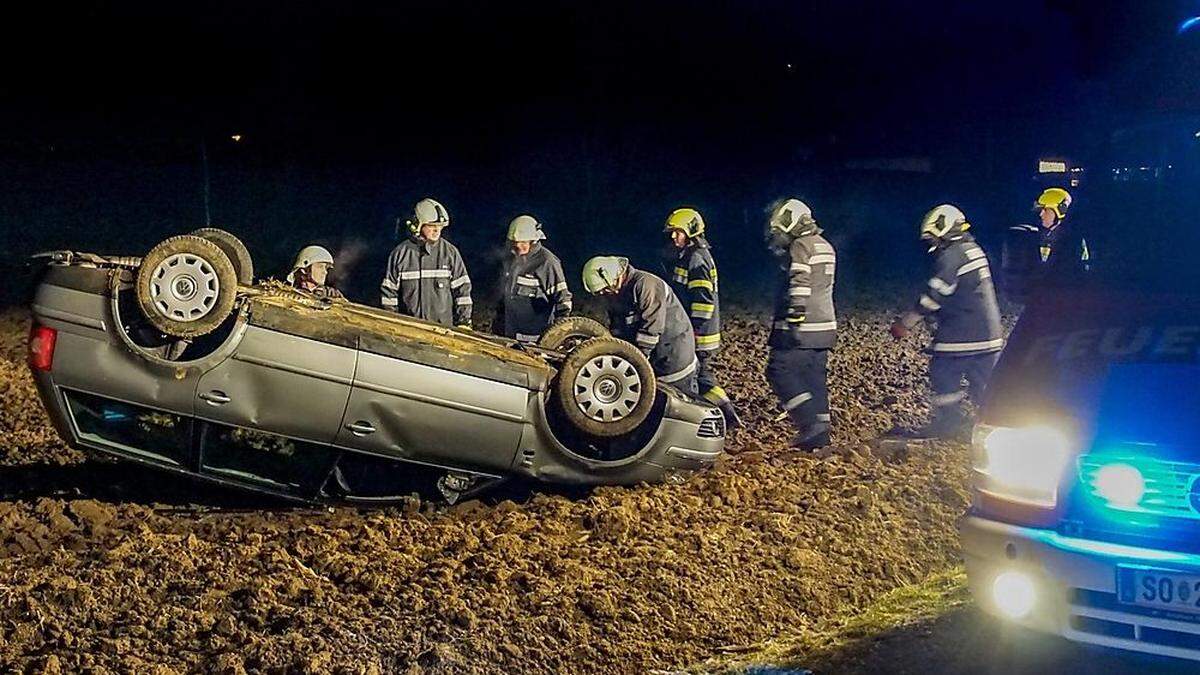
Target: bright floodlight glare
1028,458
1120,485
1013,594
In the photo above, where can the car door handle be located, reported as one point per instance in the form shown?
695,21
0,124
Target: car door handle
215,397
361,428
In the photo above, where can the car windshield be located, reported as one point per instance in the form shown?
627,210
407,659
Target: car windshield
1139,211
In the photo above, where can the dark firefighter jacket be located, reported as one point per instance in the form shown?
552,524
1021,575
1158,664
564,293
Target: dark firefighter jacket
533,292
1064,250
647,313
804,313
694,278
428,280
961,295
1033,256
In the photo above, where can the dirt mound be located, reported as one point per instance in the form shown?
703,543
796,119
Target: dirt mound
622,580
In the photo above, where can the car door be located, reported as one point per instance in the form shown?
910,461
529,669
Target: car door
279,383
417,412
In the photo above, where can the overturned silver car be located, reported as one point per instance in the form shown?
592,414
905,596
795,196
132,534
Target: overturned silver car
180,361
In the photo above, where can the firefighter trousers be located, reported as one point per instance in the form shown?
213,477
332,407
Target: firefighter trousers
799,378
707,380
946,375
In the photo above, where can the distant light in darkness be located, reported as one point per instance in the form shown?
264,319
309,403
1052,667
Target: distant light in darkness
237,138
1189,24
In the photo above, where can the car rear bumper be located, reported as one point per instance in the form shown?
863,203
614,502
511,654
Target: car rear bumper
1075,587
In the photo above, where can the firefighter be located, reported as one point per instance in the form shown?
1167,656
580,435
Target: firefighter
643,310
534,290
425,275
1034,253
1060,248
968,339
694,278
805,326
310,272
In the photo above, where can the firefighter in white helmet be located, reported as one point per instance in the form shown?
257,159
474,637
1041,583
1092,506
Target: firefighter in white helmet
310,272
694,278
426,276
805,326
969,336
643,310
533,287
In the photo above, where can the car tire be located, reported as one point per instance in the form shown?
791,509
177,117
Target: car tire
186,286
233,247
571,331
605,387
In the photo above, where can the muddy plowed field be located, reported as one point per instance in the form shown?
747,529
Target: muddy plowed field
105,568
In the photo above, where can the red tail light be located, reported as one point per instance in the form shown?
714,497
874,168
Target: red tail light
41,347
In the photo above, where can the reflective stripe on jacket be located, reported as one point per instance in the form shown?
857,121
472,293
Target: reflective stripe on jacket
694,279
961,294
647,313
804,312
428,280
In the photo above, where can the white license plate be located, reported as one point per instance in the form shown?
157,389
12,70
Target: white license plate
1161,589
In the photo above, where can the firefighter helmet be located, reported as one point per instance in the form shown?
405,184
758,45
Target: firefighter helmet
944,222
308,256
687,220
525,228
427,212
791,216
1056,199
603,272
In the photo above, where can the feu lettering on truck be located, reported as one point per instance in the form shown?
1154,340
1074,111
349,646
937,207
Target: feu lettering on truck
1143,343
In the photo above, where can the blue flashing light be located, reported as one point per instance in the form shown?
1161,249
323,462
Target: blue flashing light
1138,490
1120,484
1189,24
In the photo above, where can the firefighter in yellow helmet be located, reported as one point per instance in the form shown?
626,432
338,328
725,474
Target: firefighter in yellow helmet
1034,254
694,279
1060,246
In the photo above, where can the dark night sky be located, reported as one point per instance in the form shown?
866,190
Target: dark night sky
599,117
451,73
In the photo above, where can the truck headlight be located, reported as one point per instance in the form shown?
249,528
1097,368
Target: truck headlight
1020,464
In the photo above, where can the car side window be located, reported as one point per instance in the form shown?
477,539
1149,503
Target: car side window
159,435
277,461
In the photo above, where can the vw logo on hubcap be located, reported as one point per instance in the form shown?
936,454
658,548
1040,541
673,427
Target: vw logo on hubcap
607,390
184,288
